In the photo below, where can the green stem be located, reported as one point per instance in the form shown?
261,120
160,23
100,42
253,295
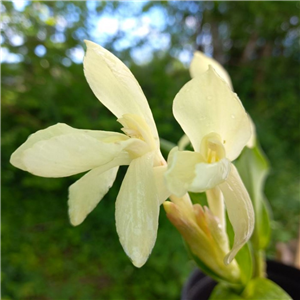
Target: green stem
166,145
259,263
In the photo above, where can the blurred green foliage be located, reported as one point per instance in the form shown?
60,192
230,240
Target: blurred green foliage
43,256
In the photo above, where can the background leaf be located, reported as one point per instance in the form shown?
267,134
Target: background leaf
257,289
264,289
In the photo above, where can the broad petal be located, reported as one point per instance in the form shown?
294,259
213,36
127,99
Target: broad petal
137,210
58,130
114,85
162,190
88,191
240,211
206,104
200,64
187,171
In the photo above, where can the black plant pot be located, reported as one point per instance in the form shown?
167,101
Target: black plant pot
199,286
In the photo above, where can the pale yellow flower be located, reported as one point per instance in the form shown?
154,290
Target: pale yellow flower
218,127
61,150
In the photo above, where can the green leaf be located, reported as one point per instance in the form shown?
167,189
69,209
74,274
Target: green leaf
264,289
222,291
256,289
265,228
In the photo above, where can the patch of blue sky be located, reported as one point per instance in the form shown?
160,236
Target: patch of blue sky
9,57
16,40
2,8
76,54
73,14
142,55
132,8
132,25
44,12
91,5
185,56
58,37
40,50
19,5
61,23
128,21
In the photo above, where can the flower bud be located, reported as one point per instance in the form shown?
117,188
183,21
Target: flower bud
205,237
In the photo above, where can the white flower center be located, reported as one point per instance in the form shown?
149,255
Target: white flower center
212,148
135,127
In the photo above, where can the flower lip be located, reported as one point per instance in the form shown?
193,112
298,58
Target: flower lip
188,171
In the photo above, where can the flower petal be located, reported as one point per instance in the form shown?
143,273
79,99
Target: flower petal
88,191
181,170
61,150
136,127
240,211
200,64
58,130
67,155
188,172
137,210
208,176
205,105
162,190
215,201
114,85
252,141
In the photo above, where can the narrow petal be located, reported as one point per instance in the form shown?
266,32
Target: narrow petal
61,150
200,64
88,191
114,85
215,201
240,211
252,141
162,190
187,171
59,130
206,104
137,210
67,155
